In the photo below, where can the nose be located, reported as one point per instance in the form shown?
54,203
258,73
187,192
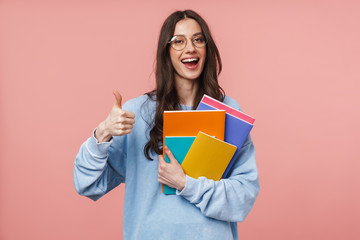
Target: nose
190,47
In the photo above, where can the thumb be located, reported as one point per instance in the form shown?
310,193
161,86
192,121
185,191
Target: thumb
170,155
118,98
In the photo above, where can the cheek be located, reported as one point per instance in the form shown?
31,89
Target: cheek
203,53
173,58
203,56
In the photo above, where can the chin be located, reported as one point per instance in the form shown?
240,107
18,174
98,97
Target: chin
192,77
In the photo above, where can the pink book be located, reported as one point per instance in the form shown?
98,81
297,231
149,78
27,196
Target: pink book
221,106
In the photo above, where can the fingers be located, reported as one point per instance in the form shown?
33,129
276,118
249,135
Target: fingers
161,159
162,170
127,121
162,164
118,99
123,124
123,128
121,132
171,174
127,114
130,114
118,104
123,118
169,154
119,122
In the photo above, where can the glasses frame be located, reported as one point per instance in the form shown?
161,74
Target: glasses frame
186,39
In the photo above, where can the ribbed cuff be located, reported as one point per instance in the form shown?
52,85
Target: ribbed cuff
189,187
96,148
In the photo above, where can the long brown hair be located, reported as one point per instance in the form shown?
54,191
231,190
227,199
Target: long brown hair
165,93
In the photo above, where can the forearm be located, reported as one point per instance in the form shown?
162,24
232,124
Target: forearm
93,176
229,199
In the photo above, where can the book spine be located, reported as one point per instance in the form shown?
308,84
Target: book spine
221,106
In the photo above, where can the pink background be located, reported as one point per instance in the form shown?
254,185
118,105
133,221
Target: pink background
294,65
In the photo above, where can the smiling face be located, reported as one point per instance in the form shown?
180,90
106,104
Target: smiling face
188,62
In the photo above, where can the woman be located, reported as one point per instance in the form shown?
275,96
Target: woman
126,148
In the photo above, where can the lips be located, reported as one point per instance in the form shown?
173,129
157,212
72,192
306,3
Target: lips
190,63
189,60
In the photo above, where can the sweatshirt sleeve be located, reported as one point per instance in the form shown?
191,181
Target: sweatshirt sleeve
93,173
229,199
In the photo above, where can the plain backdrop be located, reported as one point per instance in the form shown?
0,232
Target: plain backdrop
293,65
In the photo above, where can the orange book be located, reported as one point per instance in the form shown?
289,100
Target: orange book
189,123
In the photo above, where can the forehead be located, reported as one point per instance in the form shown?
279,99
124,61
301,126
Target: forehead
187,27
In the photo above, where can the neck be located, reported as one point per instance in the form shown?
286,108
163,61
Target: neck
186,90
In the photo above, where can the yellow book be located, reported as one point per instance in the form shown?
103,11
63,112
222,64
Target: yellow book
207,157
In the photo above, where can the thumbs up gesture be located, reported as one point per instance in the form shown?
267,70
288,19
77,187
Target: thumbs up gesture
119,122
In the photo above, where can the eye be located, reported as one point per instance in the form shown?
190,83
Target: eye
178,41
199,39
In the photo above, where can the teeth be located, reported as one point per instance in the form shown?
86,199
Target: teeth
190,60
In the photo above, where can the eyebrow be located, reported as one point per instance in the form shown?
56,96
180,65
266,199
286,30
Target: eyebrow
198,33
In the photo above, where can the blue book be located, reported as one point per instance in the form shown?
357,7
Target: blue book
236,131
179,146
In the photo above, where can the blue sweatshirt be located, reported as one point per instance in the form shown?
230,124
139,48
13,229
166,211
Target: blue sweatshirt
204,209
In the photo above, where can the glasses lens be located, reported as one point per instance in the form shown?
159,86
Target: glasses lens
178,42
199,40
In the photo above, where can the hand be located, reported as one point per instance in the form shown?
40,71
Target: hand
118,123
171,174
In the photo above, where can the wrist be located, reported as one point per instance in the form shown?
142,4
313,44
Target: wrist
182,184
101,134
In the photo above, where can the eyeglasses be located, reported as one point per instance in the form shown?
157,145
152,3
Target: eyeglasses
178,42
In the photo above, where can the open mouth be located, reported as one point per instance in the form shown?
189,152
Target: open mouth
190,62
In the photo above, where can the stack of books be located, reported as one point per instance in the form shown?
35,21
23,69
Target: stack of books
207,140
